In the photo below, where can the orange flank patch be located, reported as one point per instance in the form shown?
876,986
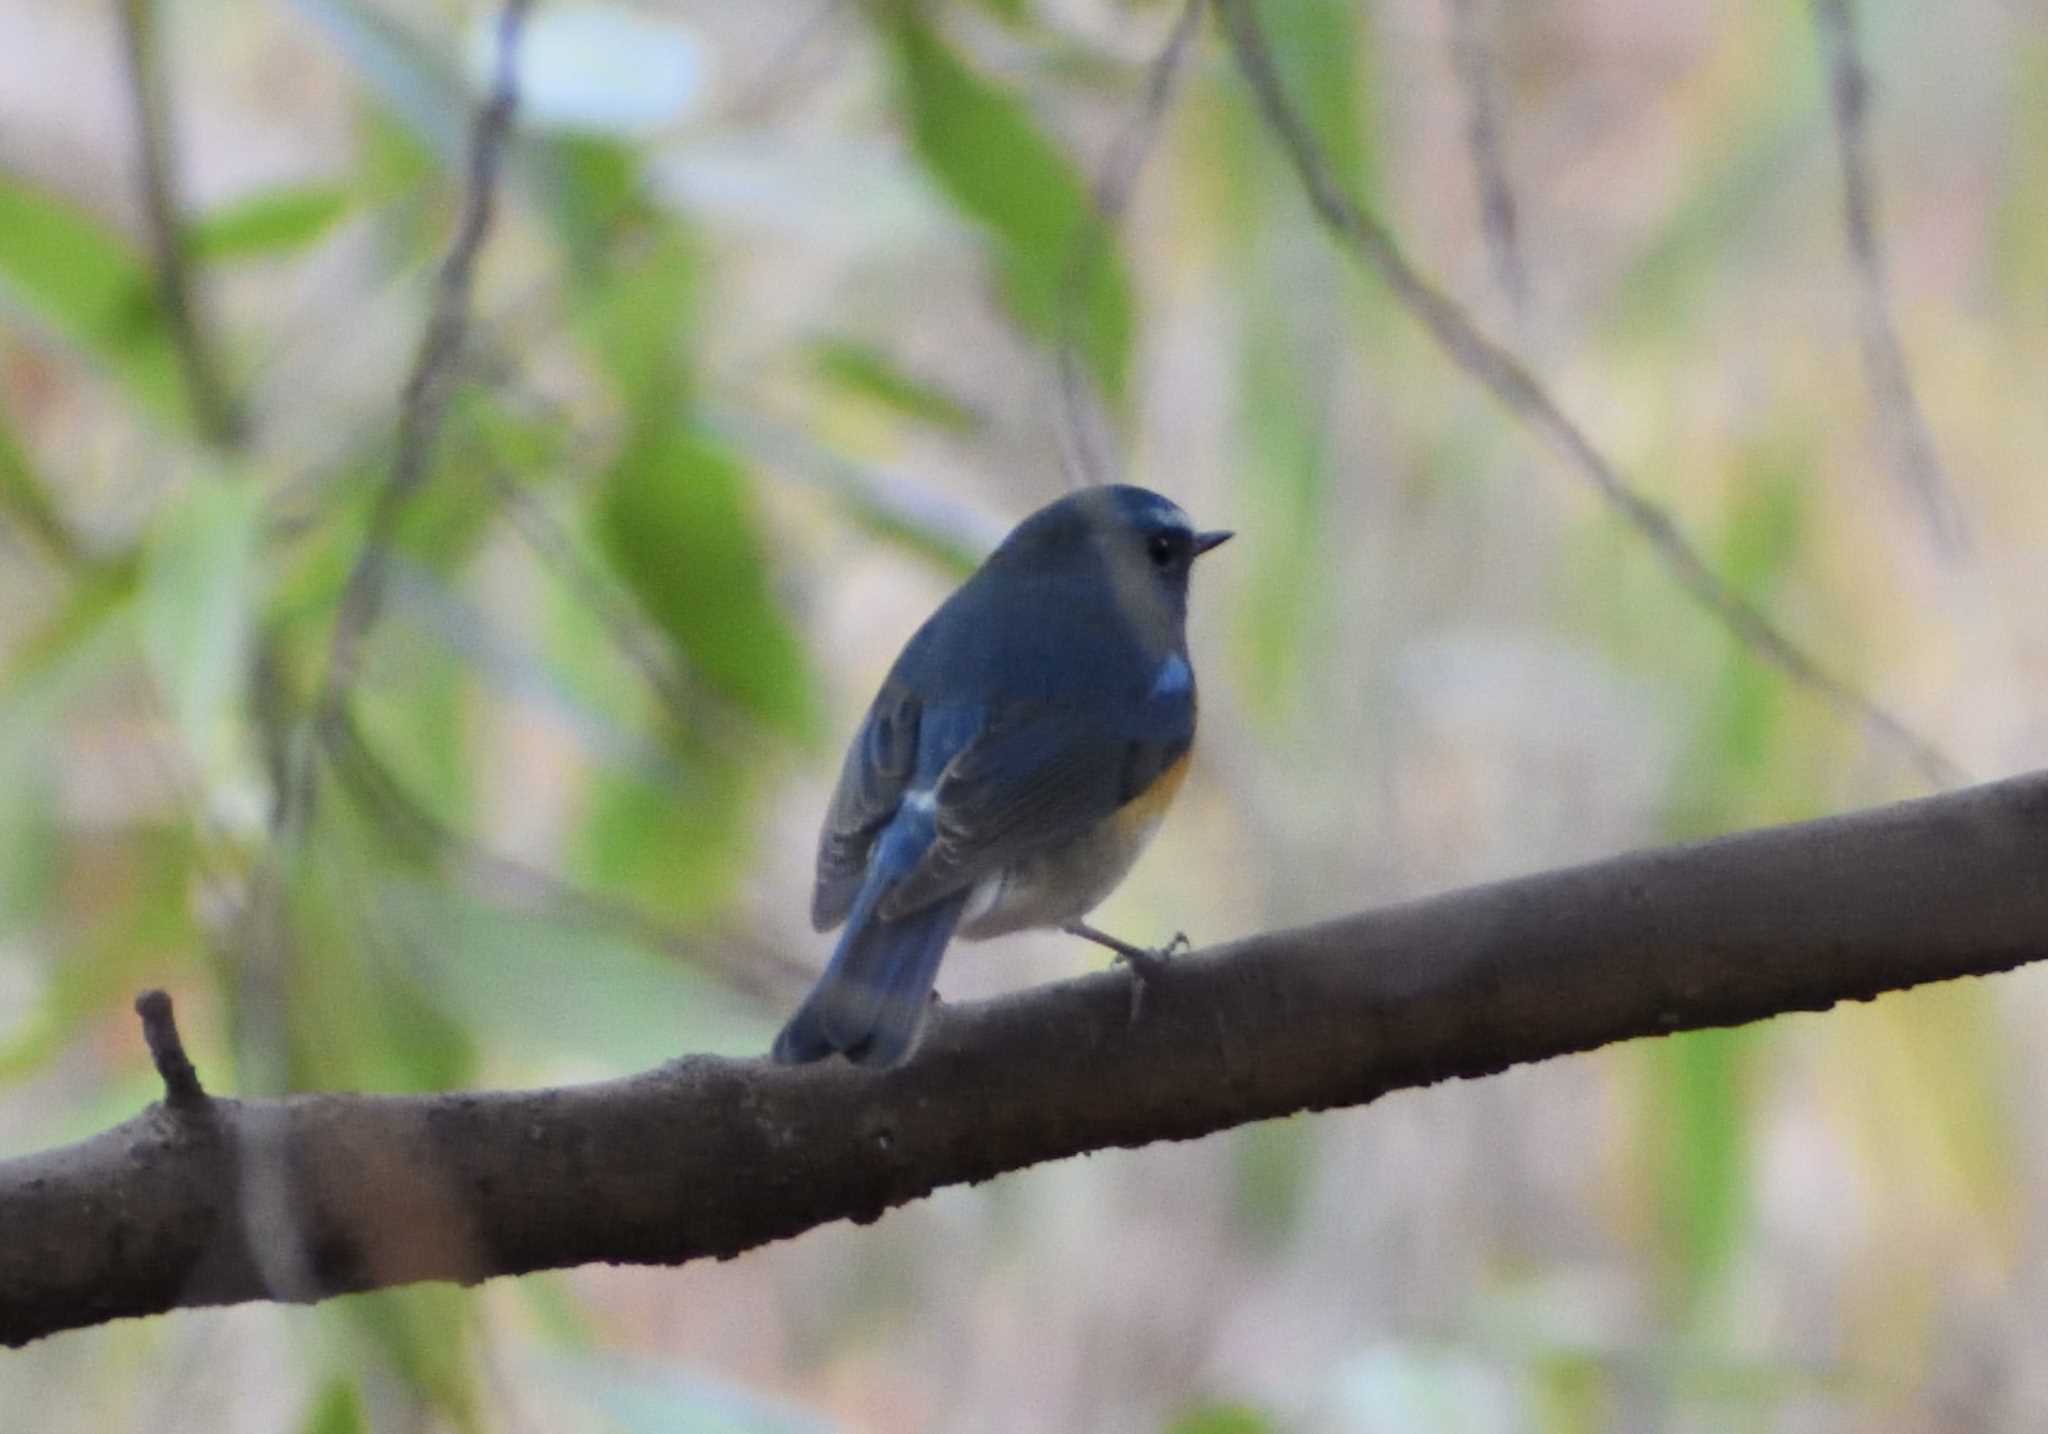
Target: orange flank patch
1141,813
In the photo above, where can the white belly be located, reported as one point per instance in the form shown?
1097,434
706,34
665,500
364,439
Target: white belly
1055,887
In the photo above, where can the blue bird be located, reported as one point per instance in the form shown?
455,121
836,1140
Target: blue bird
1018,758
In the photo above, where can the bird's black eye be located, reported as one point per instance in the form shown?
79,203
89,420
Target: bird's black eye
1162,548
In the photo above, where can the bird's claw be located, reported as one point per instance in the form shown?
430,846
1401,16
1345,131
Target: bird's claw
1146,965
1150,966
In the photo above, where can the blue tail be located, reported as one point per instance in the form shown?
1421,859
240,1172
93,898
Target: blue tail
871,1000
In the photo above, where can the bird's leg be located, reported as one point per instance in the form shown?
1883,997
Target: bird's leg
1146,966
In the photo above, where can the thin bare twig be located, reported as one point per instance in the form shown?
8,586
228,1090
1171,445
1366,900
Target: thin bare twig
1472,61
1518,390
1089,460
1910,446
214,412
424,399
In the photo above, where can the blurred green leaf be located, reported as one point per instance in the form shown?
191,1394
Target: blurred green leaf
636,322
990,157
271,222
140,931
594,191
1571,1392
675,847
79,646
1317,48
678,527
1753,153
1292,349
1221,1419
1286,391
2020,239
29,844
352,950
1273,1162
394,161
424,1333
1743,767
866,372
952,535
336,1409
1014,13
199,590
85,282
26,501
1701,1138
1767,524
558,985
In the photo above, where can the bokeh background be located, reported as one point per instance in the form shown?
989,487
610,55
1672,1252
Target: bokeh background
766,352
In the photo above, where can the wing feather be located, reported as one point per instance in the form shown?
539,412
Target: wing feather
878,767
1034,778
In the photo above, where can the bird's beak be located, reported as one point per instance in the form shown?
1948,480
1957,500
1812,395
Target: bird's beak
1206,541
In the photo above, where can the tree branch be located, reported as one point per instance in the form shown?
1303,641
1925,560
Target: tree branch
214,413
1511,383
425,397
1472,62
707,1156
1911,446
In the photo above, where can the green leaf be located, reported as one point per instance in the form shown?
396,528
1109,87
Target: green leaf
199,590
635,321
1316,48
425,1334
866,372
1220,1419
26,501
677,525
1272,1162
1701,1116
593,188
674,847
87,284
138,930
337,1409
355,951
991,159
1751,150
1286,382
549,986
76,648
268,223
2019,239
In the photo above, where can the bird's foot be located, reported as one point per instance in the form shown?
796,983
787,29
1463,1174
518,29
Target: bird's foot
1147,964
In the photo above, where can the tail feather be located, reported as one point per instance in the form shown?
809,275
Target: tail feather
870,1002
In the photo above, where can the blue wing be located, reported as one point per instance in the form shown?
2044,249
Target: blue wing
871,998
878,767
933,798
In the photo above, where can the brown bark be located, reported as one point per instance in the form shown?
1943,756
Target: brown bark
213,1201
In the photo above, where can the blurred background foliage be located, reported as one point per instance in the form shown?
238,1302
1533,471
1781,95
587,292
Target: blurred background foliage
764,357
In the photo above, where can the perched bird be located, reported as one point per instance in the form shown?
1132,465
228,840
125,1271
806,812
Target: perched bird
1017,759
